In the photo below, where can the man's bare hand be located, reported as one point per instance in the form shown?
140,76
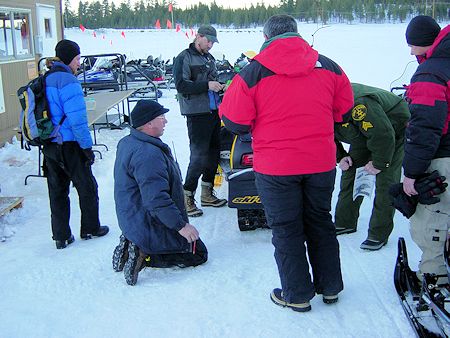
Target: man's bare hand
408,186
345,163
215,86
189,232
371,169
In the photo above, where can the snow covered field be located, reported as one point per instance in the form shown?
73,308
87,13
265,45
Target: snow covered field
74,292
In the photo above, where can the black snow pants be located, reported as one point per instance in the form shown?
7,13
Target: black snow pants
204,143
64,164
298,209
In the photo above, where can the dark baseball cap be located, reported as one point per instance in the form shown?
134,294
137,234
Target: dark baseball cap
208,31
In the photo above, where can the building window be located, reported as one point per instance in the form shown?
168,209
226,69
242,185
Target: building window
6,44
48,28
15,34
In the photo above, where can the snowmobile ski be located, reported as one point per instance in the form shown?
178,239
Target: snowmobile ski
424,306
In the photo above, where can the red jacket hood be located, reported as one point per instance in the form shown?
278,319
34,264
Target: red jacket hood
274,51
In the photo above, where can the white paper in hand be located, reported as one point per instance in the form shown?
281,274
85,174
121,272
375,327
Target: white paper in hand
364,183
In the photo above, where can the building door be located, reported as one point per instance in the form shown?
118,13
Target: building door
46,25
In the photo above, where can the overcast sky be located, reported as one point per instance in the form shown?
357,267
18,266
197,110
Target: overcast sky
186,3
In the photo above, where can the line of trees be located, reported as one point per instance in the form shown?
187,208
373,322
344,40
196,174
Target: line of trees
143,14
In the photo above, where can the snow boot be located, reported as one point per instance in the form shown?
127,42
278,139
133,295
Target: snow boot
62,244
208,197
277,297
101,231
330,299
343,231
120,254
373,245
191,207
135,262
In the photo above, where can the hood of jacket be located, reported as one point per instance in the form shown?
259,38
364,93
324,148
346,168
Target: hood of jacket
440,47
288,54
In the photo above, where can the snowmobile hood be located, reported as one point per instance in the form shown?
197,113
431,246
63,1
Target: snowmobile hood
288,54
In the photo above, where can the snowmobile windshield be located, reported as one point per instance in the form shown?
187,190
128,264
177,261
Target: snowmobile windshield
102,63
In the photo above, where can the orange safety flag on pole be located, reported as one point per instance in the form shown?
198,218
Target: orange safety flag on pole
158,24
169,24
192,32
187,35
103,36
82,28
178,28
94,34
123,34
170,7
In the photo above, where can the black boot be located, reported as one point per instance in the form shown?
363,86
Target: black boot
134,264
120,254
61,244
101,231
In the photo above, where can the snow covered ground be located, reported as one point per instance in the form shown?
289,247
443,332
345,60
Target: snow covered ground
74,292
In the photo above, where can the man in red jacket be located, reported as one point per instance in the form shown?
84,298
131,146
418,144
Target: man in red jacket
289,97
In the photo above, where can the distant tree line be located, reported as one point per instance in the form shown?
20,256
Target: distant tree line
143,14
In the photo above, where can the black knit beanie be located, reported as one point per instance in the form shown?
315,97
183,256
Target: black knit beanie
145,111
422,31
66,50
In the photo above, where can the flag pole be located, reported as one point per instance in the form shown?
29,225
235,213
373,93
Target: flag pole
171,12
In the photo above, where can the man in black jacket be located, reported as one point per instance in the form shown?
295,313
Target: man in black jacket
195,77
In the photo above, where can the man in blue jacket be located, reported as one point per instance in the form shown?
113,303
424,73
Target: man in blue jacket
69,157
149,198
427,146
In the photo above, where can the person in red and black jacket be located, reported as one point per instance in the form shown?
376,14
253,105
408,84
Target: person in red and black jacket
289,97
427,146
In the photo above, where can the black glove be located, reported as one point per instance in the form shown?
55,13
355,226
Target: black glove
90,156
405,204
429,186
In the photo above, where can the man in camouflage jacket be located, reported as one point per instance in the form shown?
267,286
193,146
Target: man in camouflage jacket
375,133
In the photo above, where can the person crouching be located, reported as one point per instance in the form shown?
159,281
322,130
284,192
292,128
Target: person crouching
149,198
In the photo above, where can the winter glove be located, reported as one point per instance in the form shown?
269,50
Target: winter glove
402,202
90,156
429,186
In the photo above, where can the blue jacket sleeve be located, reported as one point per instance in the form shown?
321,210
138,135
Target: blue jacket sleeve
428,107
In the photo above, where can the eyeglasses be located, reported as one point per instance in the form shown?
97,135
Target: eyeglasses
163,116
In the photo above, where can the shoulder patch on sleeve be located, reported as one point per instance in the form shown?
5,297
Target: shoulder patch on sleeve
359,112
366,125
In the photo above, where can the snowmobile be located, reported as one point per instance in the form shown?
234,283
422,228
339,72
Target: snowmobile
242,193
112,72
236,160
426,304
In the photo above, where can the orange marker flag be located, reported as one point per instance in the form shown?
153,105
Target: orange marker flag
158,24
187,35
178,28
103,36
192,32
95,35
169,24
82,28
170,7
123,34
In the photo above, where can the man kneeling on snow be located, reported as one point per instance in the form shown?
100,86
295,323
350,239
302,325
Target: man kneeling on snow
149,198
